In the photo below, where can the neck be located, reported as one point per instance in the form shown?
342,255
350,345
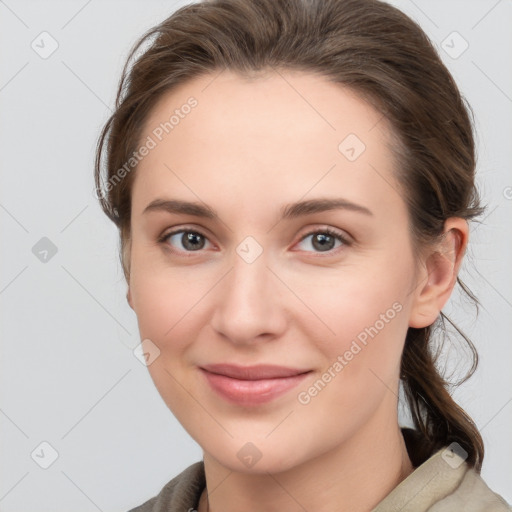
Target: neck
354,477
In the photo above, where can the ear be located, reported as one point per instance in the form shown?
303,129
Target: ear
125,262
129,297
439,273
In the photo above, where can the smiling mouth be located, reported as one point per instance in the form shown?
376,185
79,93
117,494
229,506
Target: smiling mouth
255,372
252,385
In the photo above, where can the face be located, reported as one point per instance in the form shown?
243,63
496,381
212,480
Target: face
324,290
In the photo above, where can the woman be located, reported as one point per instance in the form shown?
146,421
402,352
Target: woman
292,182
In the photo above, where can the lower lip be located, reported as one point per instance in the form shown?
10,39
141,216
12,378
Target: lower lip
251,392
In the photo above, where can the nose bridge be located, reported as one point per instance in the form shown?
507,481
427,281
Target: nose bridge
250,277
248,306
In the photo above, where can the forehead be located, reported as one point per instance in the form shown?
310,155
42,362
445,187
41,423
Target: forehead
267,102
284,132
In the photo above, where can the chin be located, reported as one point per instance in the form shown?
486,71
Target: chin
254,458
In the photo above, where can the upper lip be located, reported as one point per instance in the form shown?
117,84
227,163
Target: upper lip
256,372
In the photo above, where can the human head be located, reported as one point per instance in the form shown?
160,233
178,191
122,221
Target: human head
375,51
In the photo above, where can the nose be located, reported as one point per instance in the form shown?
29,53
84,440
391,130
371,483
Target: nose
249,306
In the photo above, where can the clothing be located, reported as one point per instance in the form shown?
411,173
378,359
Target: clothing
434,486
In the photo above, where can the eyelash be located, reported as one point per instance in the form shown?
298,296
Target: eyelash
328,231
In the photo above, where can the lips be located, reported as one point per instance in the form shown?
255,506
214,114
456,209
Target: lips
252,385
257,372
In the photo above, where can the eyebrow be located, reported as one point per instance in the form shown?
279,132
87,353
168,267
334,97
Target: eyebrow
289,211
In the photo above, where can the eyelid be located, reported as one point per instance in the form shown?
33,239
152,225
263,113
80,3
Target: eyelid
334,232
346,241
343,236
182,229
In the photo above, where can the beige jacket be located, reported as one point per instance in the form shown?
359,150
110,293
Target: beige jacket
443,483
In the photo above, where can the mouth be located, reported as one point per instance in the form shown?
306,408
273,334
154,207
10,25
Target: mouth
252,385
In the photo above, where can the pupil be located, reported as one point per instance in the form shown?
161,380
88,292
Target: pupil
191,240
323,241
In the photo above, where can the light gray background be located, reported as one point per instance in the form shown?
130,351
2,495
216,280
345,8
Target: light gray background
68,373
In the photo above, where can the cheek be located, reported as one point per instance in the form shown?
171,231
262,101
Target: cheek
367,315
361,363
169,302
357,303
367,345
167,306
157,298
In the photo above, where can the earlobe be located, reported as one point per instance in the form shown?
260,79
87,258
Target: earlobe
439,274
129,297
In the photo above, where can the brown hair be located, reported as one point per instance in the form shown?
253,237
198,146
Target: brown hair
385,57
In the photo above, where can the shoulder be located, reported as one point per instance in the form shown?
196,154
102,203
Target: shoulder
473,495
179,494
443,482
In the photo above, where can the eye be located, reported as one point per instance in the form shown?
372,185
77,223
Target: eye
190,241
324,240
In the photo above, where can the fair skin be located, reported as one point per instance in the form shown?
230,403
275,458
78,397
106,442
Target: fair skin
247,149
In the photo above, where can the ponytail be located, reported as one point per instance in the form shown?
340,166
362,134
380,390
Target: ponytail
436,416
